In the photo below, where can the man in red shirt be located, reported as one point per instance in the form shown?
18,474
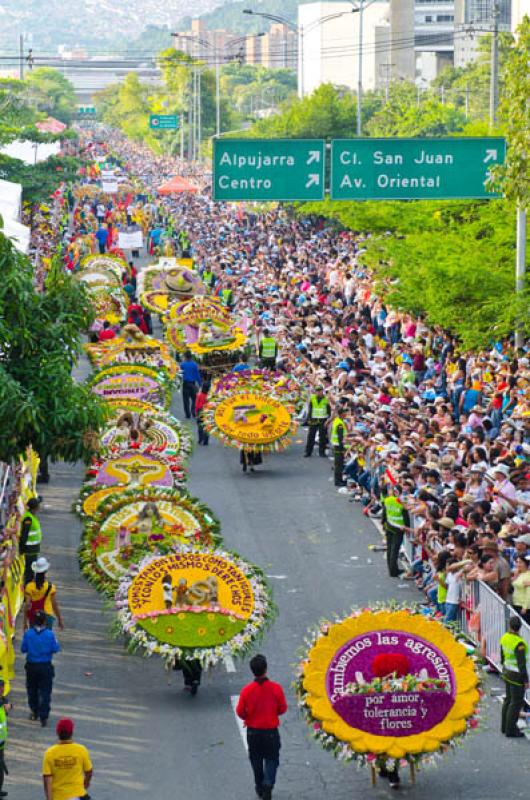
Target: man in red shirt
260,705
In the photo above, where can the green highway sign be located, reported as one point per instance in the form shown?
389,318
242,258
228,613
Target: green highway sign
268,169
166,122
413,169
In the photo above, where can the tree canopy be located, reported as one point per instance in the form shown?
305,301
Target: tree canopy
40,339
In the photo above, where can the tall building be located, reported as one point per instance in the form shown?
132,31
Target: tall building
279,47
329,45
473,20
433,37
409,40
520,9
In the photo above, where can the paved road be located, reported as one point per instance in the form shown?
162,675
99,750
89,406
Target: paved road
148,738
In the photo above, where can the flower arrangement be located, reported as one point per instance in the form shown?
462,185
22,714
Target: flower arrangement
109,302
154,629
250,420
108,262
387,684
135,381
270,382
122,351
158,432
179,517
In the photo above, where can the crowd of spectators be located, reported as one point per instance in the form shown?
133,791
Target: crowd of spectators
449,430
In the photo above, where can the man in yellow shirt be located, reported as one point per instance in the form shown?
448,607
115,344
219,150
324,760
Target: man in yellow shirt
66,768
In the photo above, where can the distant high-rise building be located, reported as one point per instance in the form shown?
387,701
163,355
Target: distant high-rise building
520,8
474,19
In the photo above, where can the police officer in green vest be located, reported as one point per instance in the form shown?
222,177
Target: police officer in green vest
208,278
338,441
318,413
514,655
227,296
395,520
268,350
30,537
5,708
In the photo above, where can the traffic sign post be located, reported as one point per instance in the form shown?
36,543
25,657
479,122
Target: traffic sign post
268,169
414,169
166,122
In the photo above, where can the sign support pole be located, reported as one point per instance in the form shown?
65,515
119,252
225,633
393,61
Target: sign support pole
520,264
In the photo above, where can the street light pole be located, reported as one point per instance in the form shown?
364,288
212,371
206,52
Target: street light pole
494,76
217,94
360,70
520,264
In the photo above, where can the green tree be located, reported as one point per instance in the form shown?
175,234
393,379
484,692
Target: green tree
404,115
49,91
328,112
39,181
469,85
40,340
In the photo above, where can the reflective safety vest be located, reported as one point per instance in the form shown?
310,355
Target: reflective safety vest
335,436
268,347
3,727
394,512
319,408
35,534
207,277
226,296
509,642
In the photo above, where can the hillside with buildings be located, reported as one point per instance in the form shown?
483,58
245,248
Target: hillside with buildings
98,24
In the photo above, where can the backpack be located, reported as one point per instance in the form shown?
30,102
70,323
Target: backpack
38,605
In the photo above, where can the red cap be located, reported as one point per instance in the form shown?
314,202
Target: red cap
65,727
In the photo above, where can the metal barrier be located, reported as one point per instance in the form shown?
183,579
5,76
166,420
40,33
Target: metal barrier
483,615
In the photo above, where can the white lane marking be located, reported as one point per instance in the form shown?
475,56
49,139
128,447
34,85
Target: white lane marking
229,663
278,577
234,699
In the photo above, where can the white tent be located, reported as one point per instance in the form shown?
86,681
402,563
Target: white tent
10,212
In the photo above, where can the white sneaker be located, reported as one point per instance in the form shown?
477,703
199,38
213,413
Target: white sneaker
343,490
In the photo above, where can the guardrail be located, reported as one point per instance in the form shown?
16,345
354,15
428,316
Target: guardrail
484,615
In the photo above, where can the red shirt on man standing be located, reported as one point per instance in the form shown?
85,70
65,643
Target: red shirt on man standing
261,703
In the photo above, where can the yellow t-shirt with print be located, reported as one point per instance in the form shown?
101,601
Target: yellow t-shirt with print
33,594
67,763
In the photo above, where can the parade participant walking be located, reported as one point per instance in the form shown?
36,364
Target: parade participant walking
318,413
39,644
101,236
268,350
514,654
200,402
66,768
337,438
260,705
5,708
395,520
191,380
30,537
40,595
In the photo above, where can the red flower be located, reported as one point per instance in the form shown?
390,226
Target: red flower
390,663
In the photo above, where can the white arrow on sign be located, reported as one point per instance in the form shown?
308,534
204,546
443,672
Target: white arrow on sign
314,155
313,180
491,155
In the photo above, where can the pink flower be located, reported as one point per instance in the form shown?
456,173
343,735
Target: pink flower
473,723
371,757
317,726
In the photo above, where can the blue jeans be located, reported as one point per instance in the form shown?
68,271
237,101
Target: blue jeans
264,754
451,612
